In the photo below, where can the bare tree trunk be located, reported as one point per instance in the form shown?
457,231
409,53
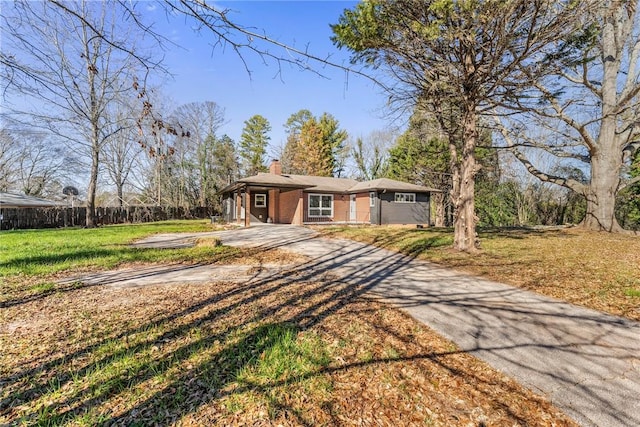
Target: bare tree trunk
601,192
120,192
438,200
606,155
91,59
464,218
91,191
202,166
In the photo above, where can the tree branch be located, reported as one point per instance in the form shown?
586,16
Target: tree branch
628,183
569,183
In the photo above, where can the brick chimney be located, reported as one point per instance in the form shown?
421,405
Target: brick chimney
275,167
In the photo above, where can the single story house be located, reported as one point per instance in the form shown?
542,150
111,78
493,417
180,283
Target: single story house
13,201
12,208
279,198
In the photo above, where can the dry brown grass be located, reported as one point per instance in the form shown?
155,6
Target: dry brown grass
193,355
272,256
596,270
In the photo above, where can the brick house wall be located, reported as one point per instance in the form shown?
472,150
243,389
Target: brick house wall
290,207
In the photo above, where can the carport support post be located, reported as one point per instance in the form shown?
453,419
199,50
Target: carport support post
247,208
238,213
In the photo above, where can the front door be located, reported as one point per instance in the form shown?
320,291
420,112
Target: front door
352,208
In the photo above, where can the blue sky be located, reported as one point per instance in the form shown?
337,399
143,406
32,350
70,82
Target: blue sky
204,73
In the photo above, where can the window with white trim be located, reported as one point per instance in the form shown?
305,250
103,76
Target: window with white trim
320,205
405,197
372,198
260,201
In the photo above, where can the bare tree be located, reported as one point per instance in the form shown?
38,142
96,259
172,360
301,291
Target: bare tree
203,120
42,166
32,164
122,151
77,70
208,18
370,154
587,114
9,156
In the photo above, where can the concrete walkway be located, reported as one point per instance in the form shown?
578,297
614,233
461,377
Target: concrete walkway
584,361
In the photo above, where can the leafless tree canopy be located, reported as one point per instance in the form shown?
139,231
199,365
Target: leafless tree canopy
586,113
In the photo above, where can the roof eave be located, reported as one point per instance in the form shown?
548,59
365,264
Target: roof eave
425,190
243,184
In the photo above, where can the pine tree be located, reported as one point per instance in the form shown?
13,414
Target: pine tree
472,55
225,161
421,157
313,145
253,144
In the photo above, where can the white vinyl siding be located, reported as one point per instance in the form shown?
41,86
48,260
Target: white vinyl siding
405,197
320,205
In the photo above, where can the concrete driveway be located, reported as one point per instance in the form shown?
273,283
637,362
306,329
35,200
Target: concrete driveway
584,361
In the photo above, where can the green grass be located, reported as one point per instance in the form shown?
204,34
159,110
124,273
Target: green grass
279,354
272,359
633,292
41,252
42,287
262,363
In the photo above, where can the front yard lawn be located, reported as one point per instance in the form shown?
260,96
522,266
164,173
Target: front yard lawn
284,350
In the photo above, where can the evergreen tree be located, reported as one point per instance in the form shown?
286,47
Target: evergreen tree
332,142
313,145
628,203
292,128
420,156
311,157
296,121
253,144
225,161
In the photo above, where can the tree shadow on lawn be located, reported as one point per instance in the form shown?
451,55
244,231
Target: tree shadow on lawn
124,255
29,386
30,261
236,297
200,351
521,233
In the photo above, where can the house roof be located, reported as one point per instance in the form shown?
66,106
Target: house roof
324,184
11,200
390,185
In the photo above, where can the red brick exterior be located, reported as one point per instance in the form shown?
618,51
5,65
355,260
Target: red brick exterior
274,205
290,207
362,208
340,207
275,167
